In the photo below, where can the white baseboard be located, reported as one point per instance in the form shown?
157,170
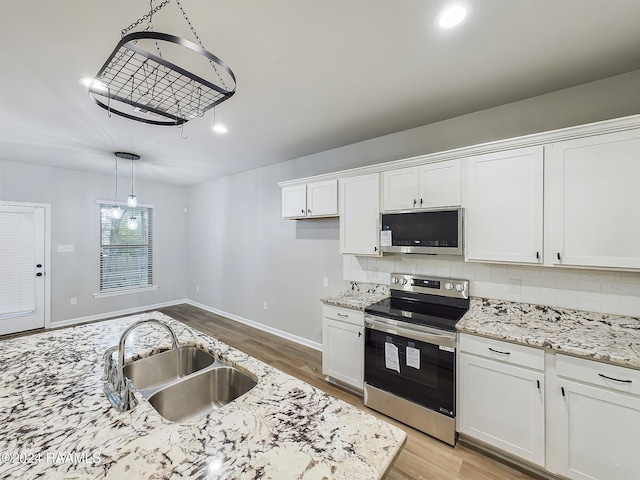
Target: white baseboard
281,333
117,313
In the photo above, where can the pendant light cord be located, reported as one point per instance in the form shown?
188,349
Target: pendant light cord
115,199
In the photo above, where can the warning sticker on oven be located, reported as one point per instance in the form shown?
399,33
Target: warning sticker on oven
413,357
391,359
385,238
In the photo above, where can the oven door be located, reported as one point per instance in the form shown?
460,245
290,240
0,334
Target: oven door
411,362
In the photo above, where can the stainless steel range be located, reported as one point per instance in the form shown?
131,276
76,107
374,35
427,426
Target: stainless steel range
410,359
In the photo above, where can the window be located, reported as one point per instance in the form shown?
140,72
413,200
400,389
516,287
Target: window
126,256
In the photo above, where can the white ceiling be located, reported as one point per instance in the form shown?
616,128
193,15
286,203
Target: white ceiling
312,75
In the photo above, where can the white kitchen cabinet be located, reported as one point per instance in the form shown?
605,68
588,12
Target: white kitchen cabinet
425,186
503,199
597,420
359,208
343,345
592,201
501,396
317,199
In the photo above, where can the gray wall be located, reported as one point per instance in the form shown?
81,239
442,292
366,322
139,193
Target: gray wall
75,220
241,253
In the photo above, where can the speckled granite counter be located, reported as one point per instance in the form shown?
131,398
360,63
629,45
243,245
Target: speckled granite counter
358,297
606,338
57,423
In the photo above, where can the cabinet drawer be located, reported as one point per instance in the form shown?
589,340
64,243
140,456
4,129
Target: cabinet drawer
355,317
508,353
598,373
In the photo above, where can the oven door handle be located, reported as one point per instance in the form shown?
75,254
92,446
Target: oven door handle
432,338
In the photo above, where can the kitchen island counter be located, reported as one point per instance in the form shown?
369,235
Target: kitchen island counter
57,423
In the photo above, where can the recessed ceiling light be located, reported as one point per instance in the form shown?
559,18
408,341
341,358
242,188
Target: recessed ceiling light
452,16
92,83
219,128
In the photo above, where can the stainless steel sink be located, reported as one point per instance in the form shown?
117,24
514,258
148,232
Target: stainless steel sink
201,393
151,373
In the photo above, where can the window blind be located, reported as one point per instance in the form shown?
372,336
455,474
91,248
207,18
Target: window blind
126,256
17,261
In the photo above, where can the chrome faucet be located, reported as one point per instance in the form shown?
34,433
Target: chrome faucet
118,388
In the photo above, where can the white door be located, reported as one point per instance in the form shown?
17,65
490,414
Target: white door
592,201
22,268
400,189
503,206
503,405
440,184
343,352
598,433
360,215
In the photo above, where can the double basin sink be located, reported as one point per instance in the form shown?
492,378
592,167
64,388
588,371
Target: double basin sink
187,382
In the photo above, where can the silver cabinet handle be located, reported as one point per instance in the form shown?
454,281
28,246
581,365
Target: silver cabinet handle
615,379
302,210
309,211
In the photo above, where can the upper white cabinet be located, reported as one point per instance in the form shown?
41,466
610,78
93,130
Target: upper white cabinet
597,420
318,199
503,199
424,186
592,201
360,215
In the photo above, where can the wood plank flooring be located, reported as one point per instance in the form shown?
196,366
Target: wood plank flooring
422,458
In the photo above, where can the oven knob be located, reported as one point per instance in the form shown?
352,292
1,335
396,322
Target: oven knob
404,281
448,286
394,279
460,287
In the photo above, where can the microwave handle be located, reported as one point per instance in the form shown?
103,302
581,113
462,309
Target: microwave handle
432,338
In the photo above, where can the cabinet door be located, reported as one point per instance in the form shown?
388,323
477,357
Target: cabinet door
343,352
439,184
322,199
592,201
598,433
503,206
294,201
400,189
360,215
503,405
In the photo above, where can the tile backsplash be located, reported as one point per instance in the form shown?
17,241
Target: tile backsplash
593,290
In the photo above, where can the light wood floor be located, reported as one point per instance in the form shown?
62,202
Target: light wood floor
422,458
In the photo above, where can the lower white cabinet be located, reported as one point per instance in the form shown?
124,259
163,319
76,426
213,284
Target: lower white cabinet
343,345
597,420
501,396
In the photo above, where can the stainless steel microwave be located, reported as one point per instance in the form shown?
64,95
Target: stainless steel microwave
436,231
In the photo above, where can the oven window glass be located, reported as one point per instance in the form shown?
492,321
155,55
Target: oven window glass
420,372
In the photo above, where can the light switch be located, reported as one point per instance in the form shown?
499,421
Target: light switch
66,248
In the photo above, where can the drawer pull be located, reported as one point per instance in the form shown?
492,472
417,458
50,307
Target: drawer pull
538,382
498,351
615,379
343,315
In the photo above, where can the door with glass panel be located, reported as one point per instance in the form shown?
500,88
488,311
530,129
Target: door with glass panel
22,268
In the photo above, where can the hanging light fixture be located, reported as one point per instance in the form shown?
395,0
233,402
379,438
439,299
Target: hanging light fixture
132,223
141,82
132,200
116,211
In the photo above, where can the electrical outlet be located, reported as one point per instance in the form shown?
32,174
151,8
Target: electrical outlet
265,305
74,300
325,282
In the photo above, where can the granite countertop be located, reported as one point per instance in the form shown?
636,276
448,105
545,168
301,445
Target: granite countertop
57,423
607,338
359,296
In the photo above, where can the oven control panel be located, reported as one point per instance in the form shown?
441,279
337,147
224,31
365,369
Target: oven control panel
446,287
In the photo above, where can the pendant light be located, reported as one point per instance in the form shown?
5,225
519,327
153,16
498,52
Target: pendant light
116,211
132,201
